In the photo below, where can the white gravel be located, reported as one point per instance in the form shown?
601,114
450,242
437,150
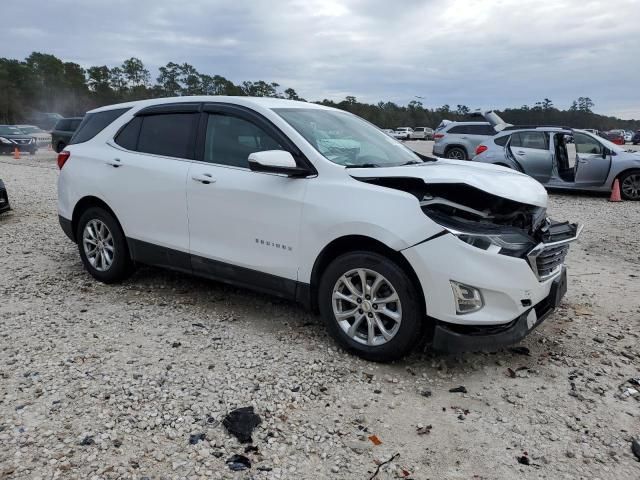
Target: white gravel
109,382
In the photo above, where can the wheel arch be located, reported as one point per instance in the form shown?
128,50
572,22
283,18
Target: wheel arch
619,175
354,243
83,205
456,145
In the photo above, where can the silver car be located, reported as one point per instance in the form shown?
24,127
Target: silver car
590,163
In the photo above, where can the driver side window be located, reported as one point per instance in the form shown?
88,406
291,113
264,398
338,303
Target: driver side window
587,145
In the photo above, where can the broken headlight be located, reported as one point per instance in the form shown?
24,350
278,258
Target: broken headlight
513,244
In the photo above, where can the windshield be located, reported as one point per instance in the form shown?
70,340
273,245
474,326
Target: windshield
346,139
9,130
603,141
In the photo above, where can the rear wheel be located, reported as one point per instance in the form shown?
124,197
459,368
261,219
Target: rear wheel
102,246
630,185
456,153
370,306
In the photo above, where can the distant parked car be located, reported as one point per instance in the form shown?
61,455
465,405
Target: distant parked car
592,130
42,138
628,136
11,137
615,136
389,132
63,131
422,133
403,133
458,140
4,198
636,138
542,153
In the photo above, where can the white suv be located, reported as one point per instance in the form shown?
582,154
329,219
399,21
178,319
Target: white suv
315,205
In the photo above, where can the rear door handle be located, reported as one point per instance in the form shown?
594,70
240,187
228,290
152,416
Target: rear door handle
114,163
204,178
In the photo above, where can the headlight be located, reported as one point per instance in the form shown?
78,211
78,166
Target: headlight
512,244
4,140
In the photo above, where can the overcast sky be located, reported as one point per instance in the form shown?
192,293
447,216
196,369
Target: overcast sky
481,53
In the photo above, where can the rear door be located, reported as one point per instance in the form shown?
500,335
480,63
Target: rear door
593,160
531,151
146,171
244,225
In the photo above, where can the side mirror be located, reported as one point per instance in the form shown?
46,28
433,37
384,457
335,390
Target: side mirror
276,161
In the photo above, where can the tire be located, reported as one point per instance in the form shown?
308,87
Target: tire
630,185
402,335
456,153
121,265
60,146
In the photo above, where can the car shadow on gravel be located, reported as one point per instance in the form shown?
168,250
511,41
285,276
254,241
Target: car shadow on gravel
271,315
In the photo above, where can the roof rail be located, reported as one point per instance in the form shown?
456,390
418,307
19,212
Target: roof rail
521,127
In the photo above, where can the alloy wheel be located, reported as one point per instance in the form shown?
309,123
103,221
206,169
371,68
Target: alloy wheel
367,307
98,245
455,154
631,186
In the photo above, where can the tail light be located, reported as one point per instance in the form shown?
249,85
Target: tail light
438,135
63,156
481,148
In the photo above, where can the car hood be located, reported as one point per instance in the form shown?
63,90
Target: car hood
492,179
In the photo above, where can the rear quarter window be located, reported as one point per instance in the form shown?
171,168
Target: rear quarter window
502,141
94,123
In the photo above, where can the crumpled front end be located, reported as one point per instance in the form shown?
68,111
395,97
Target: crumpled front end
494,272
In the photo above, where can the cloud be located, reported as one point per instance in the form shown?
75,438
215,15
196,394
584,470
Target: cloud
481,53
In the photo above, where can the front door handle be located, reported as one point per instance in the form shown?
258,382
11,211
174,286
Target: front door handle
583,161
204,178
520,152
115,163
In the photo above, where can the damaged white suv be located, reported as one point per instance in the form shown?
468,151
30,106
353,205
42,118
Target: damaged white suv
315,205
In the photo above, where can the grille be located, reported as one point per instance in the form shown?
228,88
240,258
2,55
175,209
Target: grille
550,259
548,256
22,142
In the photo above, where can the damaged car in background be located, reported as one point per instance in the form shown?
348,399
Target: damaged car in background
316,205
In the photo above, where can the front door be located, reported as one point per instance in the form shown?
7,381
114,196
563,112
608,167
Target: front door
531,151
244,226
593,160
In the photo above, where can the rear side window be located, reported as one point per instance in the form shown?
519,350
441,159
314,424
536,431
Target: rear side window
94,123
171,135
458,129
502,141
480,130
61,125
536,140
128,136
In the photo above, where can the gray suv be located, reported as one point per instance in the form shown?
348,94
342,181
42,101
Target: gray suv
458,140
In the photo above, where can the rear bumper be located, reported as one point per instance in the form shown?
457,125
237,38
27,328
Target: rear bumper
451,338
67,227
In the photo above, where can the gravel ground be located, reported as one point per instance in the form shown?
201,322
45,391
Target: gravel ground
112,382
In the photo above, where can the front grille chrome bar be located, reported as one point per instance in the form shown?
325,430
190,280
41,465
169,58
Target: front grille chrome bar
546,259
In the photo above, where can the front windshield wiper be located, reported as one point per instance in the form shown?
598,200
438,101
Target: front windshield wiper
363,165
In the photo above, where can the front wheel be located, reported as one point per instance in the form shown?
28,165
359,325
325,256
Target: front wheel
102,246
370,306
630,185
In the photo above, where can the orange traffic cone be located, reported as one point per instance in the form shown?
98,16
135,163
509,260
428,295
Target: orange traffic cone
615,192
16,153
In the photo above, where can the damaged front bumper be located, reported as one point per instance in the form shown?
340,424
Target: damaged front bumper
518,293
451,338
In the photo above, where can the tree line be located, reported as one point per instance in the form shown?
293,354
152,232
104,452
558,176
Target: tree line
44,83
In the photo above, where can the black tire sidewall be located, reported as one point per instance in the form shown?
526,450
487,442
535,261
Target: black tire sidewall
464,154
622,178
412,316
122,265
